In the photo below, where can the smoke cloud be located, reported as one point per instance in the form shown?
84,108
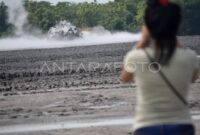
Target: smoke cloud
17,15
88,39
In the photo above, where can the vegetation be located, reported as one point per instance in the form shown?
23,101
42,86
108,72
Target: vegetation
115,16
5,27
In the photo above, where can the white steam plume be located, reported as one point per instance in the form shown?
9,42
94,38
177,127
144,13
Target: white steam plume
88,39
17,15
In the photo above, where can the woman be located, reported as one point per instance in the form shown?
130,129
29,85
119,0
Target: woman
160,109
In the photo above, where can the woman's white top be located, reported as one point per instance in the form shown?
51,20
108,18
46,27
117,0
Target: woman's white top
156,103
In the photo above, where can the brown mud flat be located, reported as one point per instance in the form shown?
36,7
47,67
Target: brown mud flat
53,85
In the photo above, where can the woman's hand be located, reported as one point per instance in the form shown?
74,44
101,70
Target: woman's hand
145,38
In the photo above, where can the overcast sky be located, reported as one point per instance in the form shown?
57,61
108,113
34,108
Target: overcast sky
55,1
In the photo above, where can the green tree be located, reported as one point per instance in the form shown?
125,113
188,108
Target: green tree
5,27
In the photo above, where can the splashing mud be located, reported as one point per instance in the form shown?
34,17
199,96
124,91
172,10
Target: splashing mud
64,30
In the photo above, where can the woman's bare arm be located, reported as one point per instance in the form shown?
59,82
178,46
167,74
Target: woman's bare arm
145,38
126,76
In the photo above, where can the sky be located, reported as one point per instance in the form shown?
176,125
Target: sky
76,1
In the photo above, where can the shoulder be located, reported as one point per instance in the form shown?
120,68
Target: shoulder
131,58
191,54
135,53
194,57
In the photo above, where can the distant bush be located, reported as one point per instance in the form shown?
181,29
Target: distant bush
5,27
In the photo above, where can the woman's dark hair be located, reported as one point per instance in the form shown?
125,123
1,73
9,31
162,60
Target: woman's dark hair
163,23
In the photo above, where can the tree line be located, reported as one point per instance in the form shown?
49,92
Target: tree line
120,15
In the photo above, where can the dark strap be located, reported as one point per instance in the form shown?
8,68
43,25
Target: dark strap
168,82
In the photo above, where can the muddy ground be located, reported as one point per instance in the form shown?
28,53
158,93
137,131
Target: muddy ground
69,84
